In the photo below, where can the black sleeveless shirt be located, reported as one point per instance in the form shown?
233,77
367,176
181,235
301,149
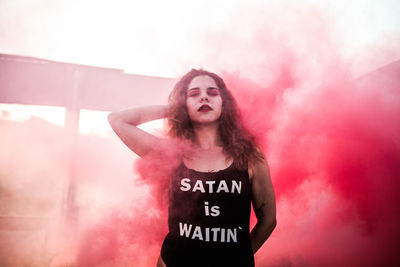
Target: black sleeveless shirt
208,219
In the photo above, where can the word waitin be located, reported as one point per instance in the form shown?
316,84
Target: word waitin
211,186
208,234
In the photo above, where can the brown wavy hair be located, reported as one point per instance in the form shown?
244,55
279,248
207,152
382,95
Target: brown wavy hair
237,141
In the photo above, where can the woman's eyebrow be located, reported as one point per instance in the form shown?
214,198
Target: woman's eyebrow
212,88
194,88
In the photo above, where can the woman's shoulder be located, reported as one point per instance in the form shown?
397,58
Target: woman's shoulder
256,166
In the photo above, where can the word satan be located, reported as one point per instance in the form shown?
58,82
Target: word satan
211,186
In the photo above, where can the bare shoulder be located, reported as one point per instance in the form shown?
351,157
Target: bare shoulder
258,168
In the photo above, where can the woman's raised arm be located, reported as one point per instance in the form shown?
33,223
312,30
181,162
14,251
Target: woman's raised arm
125,122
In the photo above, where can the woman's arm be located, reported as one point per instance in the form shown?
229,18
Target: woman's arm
263,204
125,122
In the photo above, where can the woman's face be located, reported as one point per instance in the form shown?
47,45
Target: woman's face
203,101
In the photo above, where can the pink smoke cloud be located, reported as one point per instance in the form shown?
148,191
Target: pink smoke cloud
331,142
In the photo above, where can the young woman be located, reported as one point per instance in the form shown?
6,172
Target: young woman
220,175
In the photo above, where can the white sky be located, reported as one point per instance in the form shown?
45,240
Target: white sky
165,38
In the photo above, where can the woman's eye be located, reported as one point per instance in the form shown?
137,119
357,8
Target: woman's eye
213,92
193,93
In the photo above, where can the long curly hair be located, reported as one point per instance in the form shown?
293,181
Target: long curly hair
237,141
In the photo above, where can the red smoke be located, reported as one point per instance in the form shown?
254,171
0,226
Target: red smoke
335,163
332,143
333,151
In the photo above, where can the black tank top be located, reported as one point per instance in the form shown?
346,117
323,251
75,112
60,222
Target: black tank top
208,219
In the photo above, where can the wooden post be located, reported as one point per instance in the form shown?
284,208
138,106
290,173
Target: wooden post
70,212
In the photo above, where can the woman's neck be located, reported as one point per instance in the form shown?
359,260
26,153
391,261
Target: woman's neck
207,136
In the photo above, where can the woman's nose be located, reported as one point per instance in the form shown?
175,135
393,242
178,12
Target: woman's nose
203,96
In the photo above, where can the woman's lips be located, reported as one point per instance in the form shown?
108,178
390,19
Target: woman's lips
204,108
